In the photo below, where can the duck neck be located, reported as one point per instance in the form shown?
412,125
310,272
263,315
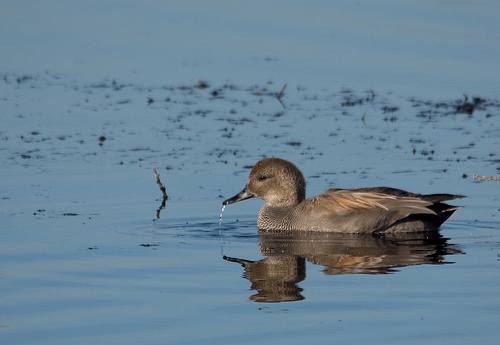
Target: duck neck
273,218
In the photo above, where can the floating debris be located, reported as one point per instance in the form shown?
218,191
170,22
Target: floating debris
200,84
485,178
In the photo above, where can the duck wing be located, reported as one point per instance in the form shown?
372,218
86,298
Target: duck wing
360,211
434,198
344,201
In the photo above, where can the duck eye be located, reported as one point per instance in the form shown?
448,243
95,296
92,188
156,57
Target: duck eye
262,178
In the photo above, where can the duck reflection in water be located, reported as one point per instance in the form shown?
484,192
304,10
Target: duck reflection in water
276,277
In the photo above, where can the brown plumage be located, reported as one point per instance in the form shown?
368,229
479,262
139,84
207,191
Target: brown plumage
379,209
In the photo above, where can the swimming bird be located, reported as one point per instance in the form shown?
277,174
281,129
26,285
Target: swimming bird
363,210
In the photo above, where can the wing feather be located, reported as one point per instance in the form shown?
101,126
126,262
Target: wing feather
348,200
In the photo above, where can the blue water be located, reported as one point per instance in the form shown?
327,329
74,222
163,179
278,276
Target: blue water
371,99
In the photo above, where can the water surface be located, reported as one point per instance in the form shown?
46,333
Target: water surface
96,94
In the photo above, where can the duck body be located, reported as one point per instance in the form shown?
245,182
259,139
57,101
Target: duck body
362,210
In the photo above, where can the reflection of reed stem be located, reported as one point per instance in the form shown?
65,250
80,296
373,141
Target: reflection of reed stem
164,192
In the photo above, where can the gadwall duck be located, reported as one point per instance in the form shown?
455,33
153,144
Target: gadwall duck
362,210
